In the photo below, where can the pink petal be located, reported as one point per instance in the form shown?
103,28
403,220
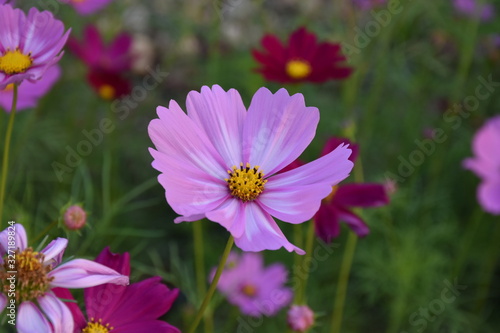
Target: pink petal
353,221
361,195
3,302
327,170
326,222
229,215
179,138
81,273
487,141
20,238
221,115
488,195
277,129
334,142
11,21
58,314
54,251
78,317
188,190
261,231
31,320
294,204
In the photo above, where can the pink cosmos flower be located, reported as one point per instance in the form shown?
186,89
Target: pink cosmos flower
29,45
87,7
486,165
255,289
220,162
38,309
30,92
336,207
124,309
75,217
472,8
300,318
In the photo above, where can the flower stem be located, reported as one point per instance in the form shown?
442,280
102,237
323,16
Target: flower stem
345,270
5,161
213,285
200,269
300,297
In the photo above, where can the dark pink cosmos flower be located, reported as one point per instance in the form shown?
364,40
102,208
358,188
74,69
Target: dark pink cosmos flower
108,85
336,207
486,165
115,57
123,309
303,59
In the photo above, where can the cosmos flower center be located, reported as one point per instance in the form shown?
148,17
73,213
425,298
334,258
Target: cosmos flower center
94,326
245,182
15,62
249,290
330,196
30,273
106,91
298,69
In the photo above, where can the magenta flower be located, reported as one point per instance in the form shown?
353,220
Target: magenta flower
87,7
486,165
38,309
30,92
220,162
255,289
472,8
29,45
336,207
124,309
300,318
115,57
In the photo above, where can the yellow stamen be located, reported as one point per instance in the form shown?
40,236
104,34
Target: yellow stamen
107,91
94,326
330,196
245,182
249,290
15,62
298,69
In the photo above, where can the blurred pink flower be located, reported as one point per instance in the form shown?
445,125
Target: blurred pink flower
475,9
39,310
336,207
255,289
125,309
87,7
75,217
486,164
300,318
27,47
220,162
369,4
30,92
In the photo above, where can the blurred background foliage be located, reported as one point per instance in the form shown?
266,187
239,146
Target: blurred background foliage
426,59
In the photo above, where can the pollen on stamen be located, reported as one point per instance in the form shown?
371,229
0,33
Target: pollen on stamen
245,182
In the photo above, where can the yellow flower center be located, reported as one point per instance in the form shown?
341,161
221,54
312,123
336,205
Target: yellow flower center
298,69
107,91
249,290
9,87
15,62
24,276
94,326
245,182
330,196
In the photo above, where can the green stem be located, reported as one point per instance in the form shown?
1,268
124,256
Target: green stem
300,298
200,269
345,270
298,240
213,285
5,162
